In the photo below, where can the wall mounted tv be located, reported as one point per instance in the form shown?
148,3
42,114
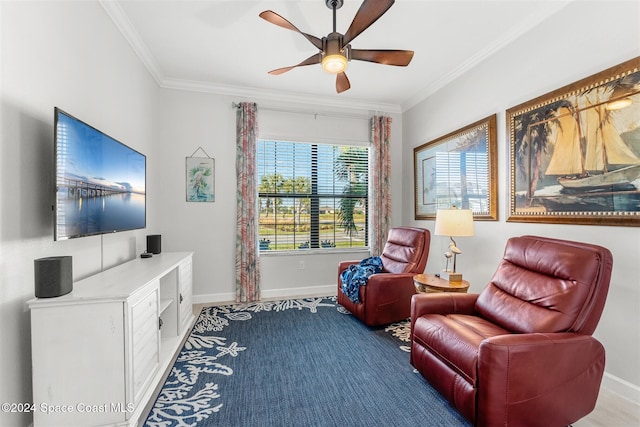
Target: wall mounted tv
100,182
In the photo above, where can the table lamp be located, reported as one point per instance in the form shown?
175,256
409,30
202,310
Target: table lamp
453,223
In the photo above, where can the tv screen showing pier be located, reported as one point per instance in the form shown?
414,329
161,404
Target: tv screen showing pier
100,182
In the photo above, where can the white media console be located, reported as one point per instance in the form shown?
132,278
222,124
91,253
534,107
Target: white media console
99,352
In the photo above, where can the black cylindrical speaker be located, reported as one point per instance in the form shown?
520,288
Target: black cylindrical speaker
53,276
154,245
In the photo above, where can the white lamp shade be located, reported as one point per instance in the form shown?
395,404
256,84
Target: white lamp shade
454,222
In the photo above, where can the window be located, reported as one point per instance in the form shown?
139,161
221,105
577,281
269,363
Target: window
312,195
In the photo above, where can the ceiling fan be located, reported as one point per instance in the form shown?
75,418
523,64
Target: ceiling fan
335,49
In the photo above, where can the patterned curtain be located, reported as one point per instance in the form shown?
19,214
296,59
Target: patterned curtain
380,197
247,260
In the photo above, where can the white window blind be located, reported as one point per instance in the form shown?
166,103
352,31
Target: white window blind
312,195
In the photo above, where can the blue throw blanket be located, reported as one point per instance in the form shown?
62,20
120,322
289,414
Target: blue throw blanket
357,275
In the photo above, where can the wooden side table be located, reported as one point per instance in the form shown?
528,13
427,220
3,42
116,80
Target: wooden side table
430,283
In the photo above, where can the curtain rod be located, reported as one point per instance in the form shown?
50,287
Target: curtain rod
311,113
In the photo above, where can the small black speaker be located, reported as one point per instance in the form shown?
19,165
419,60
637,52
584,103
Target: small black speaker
53,276
154,245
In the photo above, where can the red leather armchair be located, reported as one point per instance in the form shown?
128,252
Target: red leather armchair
386,298
521,352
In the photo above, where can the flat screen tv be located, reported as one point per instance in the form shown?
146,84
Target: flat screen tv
100,182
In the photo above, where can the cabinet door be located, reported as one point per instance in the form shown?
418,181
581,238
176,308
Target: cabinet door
145,343
78,363
185,297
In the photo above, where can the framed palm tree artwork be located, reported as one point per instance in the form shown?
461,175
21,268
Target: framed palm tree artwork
575,152
200,174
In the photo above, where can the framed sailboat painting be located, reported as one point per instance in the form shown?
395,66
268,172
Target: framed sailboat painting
575,152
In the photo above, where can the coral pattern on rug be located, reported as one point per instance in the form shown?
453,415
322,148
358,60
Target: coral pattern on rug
178,404
402,331
182,401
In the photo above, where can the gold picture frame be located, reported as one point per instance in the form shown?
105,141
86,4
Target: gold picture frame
458,169
574,153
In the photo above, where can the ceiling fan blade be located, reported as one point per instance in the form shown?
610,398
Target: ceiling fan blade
342,82
400,58
274,18
313,59
369,12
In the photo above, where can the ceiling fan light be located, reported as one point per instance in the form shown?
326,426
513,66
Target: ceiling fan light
334,64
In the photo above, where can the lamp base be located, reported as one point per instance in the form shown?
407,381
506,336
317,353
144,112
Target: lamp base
451,276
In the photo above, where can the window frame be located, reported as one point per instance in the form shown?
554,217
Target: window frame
315,243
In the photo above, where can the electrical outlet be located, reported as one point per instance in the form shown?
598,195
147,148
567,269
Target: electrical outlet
301,265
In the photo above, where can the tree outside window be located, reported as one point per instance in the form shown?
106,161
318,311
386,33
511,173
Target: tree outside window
312,195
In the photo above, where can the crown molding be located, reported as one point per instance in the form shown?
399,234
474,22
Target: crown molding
278,96
122,22
124,25
126,28
532,21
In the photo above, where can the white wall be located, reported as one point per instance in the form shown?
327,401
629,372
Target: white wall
560,51
190,120
65,54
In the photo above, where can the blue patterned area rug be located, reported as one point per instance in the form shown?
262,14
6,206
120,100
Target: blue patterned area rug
298,362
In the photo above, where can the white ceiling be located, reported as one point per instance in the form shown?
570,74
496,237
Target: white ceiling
222,46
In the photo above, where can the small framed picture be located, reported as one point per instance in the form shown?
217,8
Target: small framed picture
200,179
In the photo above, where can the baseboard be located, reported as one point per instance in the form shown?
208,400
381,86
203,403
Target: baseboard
267,294
214,298
622,388
310,291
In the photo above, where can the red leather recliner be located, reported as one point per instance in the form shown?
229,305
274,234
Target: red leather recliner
386,298
521,352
